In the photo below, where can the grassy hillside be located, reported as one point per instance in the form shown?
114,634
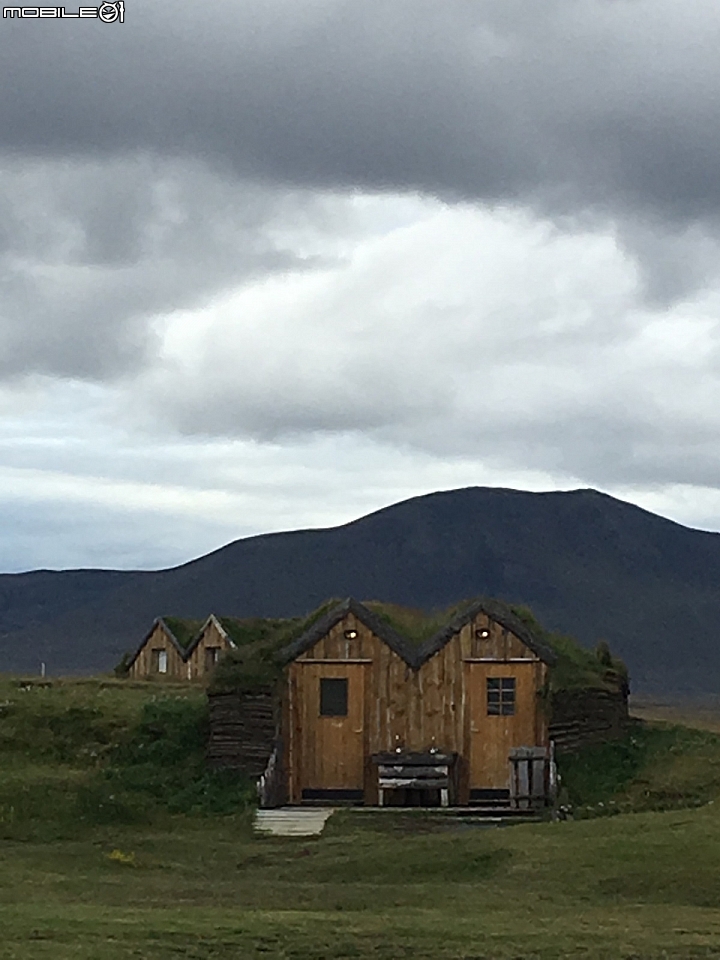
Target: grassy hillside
74,754
115,843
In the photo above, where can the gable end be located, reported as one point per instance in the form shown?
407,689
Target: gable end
374,623
159,622
500,614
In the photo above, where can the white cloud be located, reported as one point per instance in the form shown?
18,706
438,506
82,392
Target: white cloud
237,304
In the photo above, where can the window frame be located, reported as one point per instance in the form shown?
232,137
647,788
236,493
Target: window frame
160,660
327,705
212,655
500,696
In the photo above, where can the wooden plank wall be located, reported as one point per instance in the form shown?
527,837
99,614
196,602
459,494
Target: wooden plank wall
211,637
421,709
143,666
178,669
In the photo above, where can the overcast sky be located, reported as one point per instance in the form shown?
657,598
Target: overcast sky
270,265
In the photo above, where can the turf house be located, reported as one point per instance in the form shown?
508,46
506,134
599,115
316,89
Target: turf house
375,704
178,649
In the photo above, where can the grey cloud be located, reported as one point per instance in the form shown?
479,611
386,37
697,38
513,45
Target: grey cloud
562,105
674,260
154,165
601,396
91,252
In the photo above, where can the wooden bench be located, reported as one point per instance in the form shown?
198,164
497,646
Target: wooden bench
403,770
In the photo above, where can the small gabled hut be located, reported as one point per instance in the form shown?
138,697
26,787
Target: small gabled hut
210,643
355,691
498,668
344,697
180,649
161,653
375,703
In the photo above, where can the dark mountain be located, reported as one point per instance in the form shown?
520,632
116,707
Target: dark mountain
586,563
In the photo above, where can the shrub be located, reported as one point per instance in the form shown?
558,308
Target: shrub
163,758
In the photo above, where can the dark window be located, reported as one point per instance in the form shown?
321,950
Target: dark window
333,697
501,696
212,655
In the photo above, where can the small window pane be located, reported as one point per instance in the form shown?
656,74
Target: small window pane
501,696
162,661
333,697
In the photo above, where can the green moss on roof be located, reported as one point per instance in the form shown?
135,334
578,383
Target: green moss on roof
253,665
576,666
414,625
183,630
244,632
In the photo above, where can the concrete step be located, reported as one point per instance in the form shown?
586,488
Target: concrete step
292,821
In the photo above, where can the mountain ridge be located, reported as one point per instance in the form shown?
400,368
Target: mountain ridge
586,563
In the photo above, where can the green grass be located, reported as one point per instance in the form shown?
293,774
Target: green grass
254,664
183,630
417,626
656,767
116,843
638,886
244,632
83,753
576,667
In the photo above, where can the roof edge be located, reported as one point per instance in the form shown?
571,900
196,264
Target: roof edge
194,643
500,613
374,623
158,622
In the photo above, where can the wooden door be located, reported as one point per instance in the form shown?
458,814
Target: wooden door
331,731
502,713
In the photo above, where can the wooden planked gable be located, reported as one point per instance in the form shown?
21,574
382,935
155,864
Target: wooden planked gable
147,661
439,700
207,649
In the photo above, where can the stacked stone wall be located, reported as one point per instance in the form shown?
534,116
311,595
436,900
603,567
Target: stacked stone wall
243,728
586,717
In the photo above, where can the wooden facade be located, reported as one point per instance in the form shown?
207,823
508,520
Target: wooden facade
206,650
353,690
162,656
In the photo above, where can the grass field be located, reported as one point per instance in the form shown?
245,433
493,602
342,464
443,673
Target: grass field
93,864
702,714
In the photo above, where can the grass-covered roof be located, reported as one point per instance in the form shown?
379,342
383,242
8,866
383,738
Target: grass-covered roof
244,632
255,662
184,630
416,626
263,646
577,666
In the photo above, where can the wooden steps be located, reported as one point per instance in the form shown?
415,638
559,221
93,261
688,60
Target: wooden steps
292,821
